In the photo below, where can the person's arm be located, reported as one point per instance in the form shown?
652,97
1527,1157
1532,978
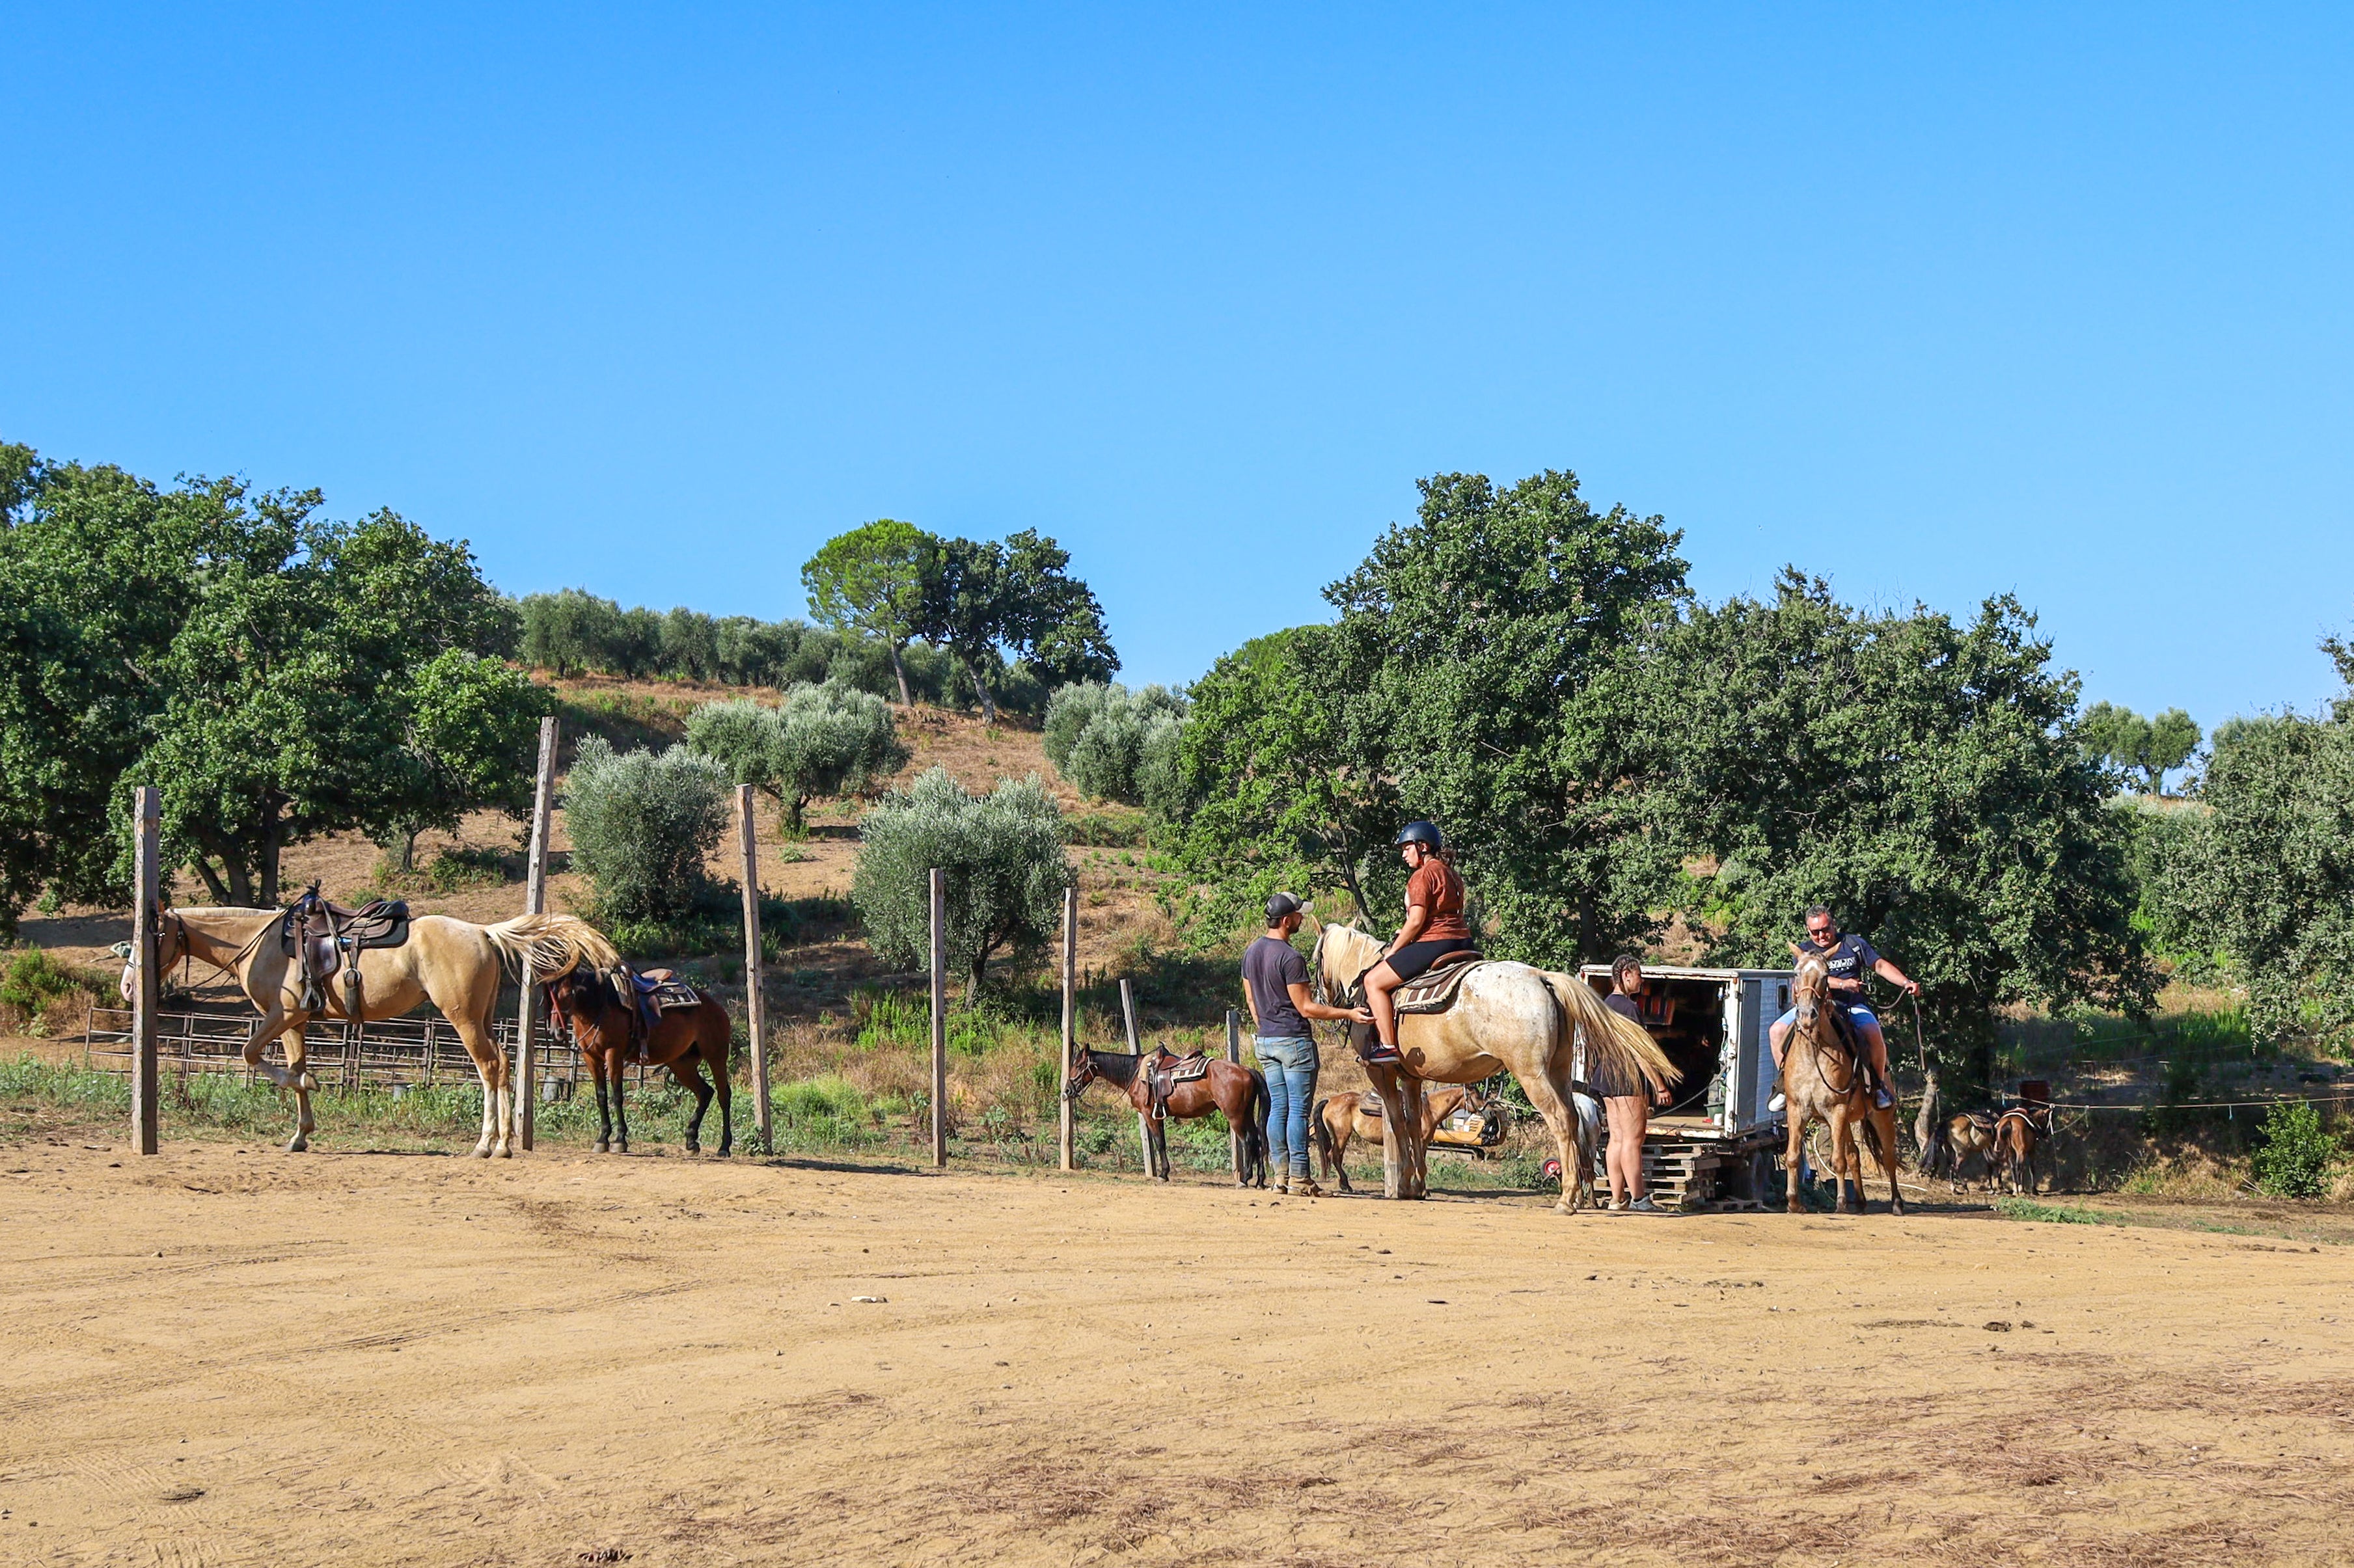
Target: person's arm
1418,917
1896,977
1310,1007
1250,1000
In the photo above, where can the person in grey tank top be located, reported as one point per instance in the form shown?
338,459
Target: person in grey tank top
1275,979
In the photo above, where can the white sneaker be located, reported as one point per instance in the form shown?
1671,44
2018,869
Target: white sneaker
1777,1102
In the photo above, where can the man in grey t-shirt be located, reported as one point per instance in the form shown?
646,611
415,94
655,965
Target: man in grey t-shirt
1274,977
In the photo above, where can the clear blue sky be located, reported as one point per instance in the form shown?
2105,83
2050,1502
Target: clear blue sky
1939,302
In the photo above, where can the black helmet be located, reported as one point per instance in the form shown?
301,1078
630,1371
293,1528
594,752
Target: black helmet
1424,833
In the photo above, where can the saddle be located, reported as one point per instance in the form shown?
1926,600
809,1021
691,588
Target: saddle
1165,1072
1432,990
323,937
648,994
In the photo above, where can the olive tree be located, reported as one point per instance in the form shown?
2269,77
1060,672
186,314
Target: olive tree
1112,743
822,740
643,825
1002,853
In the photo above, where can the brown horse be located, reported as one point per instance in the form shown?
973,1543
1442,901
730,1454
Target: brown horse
1507,1017
1970,1133
454,964
685,1039
1345,1116
1237,1091
2018,1132
1824,1082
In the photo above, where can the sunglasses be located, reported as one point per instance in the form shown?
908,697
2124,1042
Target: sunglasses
1819,932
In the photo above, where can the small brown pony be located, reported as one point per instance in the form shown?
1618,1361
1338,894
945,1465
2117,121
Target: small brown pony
1824,1082
1970,1133
2018,1132
608,1034
1237,1091
1343,1116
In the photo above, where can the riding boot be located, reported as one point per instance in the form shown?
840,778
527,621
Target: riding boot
1306,1187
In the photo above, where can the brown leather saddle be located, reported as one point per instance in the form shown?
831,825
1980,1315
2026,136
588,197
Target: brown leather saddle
1432,990
648,994
324,937
1164,1071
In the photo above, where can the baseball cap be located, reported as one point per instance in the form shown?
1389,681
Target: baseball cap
1281,904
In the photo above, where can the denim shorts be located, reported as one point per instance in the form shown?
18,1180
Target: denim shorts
1864,1016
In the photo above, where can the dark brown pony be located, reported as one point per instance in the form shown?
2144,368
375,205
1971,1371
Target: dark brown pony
1237,1091
1343,1116
608,1034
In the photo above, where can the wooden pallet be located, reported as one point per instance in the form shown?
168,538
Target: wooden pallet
1680,1172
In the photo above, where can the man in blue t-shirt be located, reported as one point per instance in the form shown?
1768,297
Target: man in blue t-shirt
1275,979
1849,958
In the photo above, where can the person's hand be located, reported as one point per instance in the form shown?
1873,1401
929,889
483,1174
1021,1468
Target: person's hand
1659,1096
1361,1015
1911,987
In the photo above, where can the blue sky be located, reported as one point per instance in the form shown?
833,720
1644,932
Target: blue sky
1938,301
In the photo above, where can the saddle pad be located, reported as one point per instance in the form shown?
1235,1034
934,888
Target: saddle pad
675,994
1434,990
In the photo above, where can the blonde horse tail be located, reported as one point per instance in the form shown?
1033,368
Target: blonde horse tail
1611,1040
552,944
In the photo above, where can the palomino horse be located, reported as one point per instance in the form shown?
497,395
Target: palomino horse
1345,1117
680,1038
1240,1092
1824,1082
454,964
1506,1017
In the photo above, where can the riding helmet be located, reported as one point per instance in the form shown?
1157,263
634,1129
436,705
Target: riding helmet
1424,833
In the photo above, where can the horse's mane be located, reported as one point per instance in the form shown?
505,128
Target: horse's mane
1351,950
1116,1067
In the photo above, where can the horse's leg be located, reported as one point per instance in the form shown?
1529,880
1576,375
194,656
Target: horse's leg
1417,1154
1336,1146
620,1112
491,1067
1843,1153
604,1111
1886,1127
684,1070
1794,1156
299,1078
717,1060
1552,1103
1386,1078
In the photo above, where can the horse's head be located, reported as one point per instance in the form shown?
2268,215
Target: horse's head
1334,964
171,946
1812,987
1083,1073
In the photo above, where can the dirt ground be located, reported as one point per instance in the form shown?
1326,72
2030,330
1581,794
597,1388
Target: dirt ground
229,1355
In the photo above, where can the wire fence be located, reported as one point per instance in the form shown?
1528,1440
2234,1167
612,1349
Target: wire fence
391,1054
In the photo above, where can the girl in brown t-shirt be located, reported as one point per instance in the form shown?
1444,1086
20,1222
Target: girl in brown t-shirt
1434,926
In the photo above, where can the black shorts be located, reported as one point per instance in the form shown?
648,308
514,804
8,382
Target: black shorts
1416,958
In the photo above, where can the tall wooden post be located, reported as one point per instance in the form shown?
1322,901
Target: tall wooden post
1143,1124
755,996
146,891
1068,1115
939,1017
535,902
1234,1054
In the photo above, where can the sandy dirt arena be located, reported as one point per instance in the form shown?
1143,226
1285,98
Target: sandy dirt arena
225,1356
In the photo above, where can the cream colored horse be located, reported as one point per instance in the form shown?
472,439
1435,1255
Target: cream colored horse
454,964
1507,1017
1821,1081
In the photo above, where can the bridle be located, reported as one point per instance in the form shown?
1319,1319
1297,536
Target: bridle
1081,1076
1810,1006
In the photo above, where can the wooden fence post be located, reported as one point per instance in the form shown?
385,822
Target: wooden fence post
1143,1124
146,892
1068,1115
939,1018
535,902
756,998
1234,1054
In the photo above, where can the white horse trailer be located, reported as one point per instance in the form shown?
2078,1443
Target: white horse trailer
1715,1140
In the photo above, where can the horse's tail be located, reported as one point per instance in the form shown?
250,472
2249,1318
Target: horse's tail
1611,1040
552,944
1321,1135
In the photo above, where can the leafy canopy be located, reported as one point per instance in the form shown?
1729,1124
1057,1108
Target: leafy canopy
1002,851
643,824
871,580
1117,745
2129,743
823,740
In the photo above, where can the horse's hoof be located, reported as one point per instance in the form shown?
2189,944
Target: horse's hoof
695,1148
482,1152
603,1146
504,1152
298,1144
306,1083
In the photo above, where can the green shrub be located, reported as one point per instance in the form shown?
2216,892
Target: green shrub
34,983
1116,745
642,823
822,740
1002,853
2298,1156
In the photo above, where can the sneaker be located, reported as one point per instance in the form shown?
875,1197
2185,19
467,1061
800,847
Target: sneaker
1885,1099
1618,1205
1306,1187
1777,1102
1378,1052
1643,1205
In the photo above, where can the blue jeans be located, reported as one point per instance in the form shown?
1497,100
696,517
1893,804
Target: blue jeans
1290,1064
